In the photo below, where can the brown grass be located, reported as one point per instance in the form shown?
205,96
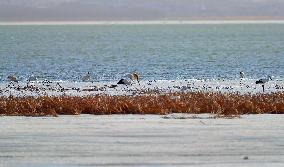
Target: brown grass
196,103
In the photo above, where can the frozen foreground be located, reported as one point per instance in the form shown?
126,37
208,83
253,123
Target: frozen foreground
142,140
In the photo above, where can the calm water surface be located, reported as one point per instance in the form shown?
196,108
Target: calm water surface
156,51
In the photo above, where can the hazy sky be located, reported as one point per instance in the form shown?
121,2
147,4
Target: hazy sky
97,10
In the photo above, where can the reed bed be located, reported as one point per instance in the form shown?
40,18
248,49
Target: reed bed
195,103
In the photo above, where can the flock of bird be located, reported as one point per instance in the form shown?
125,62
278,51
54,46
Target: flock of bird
13,78
130,78
127,80
261,81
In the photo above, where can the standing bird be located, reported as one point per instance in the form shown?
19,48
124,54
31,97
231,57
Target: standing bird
263,81
87,77
242,75
12,78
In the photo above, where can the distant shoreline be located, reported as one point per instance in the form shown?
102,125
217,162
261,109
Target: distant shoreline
158,22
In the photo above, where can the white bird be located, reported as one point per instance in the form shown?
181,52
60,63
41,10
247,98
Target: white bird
87,77
133,77
263,81
12,78
242,75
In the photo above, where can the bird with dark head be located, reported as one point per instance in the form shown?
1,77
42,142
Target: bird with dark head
242,75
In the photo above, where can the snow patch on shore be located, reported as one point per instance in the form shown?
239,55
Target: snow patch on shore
60,88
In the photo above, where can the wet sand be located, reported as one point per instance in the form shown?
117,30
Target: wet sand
142,140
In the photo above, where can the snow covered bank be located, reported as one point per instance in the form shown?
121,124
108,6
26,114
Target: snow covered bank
59,88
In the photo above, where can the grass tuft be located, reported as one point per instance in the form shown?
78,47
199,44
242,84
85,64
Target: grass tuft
195,103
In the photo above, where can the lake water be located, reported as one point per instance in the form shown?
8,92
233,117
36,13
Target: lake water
66,52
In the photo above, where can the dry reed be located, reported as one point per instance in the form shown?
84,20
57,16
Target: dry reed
196,103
